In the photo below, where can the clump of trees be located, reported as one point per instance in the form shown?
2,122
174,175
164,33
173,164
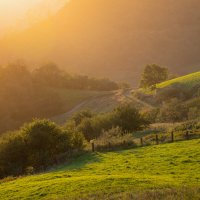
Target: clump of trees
36,146
52,76
126,117
174,110
42,143
152,75
26,94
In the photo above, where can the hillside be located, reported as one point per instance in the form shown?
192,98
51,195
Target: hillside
154,172
189,81
186,83
114,38
97,102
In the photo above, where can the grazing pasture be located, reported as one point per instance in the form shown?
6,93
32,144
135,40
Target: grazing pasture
155,172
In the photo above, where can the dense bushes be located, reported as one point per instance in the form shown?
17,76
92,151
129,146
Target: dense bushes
129,118
126,116
174,110
113,139
37,145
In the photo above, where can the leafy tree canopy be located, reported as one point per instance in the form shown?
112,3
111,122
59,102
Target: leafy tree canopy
153,74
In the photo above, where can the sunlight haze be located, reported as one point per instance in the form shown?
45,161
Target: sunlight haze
16,14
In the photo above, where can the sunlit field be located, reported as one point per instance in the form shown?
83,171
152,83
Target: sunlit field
170,169
187,81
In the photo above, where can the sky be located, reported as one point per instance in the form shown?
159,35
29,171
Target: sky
15,14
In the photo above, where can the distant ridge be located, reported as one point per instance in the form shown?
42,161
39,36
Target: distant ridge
113,38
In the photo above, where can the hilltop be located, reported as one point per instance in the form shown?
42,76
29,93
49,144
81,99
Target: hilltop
155,172
114,38
188,81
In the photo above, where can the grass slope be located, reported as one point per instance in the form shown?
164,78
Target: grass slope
74,97
98,102
123,175
187,81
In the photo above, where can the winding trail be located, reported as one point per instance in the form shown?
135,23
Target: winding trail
102,103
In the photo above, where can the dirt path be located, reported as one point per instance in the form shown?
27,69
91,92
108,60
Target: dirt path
102,103
129,95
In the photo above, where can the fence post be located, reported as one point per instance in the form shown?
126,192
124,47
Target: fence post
172,136
187,135
157,142
92,146
141,142
124,143
109,145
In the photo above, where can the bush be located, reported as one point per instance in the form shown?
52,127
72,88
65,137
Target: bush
114,138
93,127
125,116
36,146
173,111
45,140
79,116
128,118
13,154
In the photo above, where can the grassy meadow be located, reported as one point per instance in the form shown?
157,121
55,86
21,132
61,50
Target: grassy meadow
187,81
168,171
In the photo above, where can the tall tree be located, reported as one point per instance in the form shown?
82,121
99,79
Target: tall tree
152,75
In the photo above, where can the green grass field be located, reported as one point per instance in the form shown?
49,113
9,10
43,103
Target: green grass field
168,171
187,81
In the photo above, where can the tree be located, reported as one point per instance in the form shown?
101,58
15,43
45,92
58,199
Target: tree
79,116
45,141
128,118
152,75
36,146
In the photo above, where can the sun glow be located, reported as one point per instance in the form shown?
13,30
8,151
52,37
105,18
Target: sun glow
16,14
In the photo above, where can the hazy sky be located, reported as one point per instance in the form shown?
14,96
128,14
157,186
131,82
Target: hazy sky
17,13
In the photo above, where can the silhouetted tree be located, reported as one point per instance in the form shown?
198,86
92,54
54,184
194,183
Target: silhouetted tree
152,75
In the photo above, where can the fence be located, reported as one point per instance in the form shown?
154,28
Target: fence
152,139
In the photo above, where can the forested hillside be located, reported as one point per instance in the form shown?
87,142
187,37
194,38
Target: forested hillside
44,92
113,37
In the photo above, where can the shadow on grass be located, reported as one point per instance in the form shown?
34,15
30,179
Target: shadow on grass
80,162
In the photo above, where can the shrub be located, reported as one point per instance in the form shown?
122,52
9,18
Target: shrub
79,116
13,154
114,138
36,146
173,111
128,118
92,127
125,116
45,140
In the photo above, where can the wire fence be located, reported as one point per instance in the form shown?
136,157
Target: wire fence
151,139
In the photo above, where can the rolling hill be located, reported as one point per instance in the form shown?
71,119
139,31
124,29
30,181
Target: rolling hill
169,171
100,102
97,102
114,38
188,81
